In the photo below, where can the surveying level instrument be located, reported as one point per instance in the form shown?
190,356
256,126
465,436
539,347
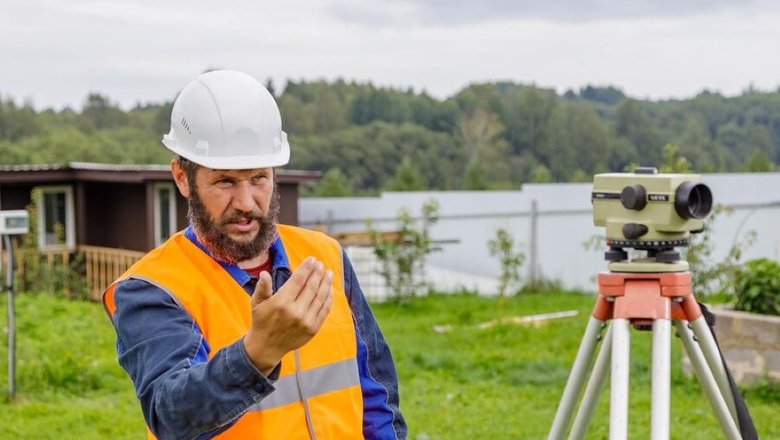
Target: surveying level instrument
654,213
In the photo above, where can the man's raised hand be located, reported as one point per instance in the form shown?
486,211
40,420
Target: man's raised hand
286,321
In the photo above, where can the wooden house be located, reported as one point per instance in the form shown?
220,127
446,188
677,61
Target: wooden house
112,213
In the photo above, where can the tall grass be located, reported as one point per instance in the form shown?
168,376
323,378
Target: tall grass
503,382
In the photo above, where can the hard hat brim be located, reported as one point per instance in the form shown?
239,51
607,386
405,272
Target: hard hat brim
278,159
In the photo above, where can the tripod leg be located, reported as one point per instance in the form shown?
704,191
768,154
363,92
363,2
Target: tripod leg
576,378
712,354
707,381
593,389
662,357
618,397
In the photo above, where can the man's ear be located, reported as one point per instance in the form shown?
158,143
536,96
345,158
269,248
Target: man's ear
180,177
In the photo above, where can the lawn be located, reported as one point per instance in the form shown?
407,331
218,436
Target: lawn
503,382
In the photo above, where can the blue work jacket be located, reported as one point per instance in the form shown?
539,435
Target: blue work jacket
166,356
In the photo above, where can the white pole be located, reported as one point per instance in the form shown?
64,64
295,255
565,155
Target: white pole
618,392
707,380
593,389
576,378
662,358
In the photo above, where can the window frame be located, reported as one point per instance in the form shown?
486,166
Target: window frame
171,211
70,218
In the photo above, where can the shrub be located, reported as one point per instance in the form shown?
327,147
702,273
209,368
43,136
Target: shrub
757,287
402,259
503,248
713,277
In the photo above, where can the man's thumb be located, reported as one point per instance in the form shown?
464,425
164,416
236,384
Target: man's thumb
263,288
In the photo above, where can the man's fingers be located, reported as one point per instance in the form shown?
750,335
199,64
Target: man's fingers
263,289
298,279
327,301
309,290
323,295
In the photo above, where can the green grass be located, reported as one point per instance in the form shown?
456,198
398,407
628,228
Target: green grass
498,383
68,382
505,382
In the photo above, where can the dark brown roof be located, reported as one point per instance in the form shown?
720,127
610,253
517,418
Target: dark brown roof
103,172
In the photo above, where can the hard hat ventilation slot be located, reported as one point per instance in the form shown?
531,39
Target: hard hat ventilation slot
186,125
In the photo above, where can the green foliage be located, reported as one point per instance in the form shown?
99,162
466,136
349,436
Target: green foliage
502,246
757,287
475,178
758,162
402,257
713,277
541,174
334,184
406,178
101,113
59,272
487,136
608,95
372,154
673,162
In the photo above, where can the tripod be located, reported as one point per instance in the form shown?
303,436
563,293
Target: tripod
649,296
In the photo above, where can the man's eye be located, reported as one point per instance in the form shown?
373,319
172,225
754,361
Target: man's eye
259,179
224,183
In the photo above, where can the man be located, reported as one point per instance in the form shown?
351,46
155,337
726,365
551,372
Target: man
238,327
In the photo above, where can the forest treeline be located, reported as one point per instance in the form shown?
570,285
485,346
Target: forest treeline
488,136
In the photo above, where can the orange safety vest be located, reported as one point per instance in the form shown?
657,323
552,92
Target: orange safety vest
318,393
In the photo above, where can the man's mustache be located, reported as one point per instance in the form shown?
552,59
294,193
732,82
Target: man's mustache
241,216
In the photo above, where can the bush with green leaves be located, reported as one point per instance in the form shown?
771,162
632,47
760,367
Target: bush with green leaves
402,257
503,248
713,277
757,287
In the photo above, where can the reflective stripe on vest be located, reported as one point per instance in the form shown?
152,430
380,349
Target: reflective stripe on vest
312,382
318,393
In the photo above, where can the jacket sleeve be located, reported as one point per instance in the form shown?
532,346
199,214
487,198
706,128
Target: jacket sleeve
183,394
382,418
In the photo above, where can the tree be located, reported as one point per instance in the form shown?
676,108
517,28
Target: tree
402,257
541,174
758,162
17,122
334,184
482,135
99,110
407,178
635,124
475,178
608,95
673,162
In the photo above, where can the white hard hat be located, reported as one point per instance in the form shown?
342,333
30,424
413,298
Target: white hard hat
227,120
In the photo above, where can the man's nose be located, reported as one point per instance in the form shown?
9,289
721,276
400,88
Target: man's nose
243,199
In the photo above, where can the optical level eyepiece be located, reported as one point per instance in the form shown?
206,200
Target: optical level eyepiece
693,200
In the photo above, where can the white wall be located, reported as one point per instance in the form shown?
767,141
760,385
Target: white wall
564,224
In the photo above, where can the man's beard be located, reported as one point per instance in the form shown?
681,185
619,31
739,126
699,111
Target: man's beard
213,233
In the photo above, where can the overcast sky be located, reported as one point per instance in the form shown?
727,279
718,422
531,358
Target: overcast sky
54,52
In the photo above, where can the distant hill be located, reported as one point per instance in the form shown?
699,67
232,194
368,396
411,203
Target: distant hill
488,135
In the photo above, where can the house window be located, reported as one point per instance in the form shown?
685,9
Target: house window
56,224
164,212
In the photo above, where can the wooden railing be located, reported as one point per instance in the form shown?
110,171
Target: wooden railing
34,264
99,266
104,265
